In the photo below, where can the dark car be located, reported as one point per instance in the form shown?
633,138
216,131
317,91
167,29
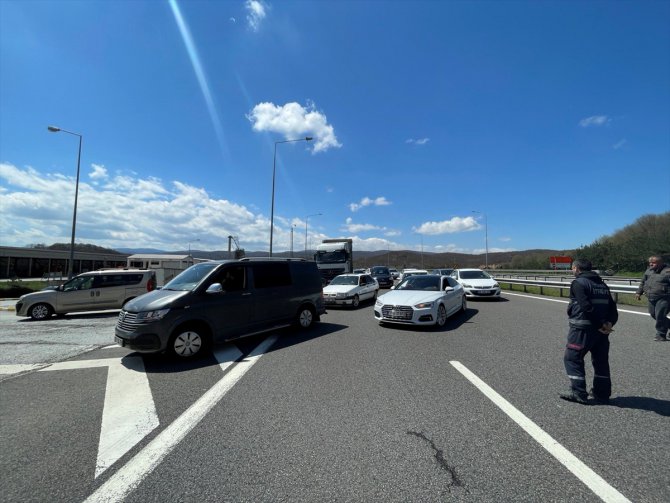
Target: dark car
218,301
382,275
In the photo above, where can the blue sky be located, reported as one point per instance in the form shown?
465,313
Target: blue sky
549,119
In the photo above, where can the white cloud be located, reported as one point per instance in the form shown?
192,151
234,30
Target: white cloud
292,120
419,141
350,226
256,12
456,224
98,172
125,211
504,239
595,120
366,201
619,144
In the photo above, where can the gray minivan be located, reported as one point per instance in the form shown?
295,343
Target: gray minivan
217,301
90,291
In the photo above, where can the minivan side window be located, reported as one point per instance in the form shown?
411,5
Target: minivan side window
107,280
271,275
231,278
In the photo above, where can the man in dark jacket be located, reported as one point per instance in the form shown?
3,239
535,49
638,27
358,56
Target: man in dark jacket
655,285
591,314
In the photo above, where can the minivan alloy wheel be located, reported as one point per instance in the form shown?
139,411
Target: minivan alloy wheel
40,311
305,317
187,343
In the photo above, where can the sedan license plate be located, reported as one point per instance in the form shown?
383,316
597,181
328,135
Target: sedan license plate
481,292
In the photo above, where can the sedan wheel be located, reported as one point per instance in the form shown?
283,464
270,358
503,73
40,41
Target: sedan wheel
186,344
40,311
441,316
464,305
356,301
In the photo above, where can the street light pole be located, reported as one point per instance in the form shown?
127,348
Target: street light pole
70,269
274,169
306,221
486,234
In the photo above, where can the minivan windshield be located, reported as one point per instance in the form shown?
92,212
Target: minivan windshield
190,278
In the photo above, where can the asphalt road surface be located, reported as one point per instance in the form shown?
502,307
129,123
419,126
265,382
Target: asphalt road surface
348,411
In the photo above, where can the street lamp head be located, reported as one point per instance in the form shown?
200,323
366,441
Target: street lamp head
53,129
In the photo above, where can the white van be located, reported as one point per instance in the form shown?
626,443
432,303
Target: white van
90,291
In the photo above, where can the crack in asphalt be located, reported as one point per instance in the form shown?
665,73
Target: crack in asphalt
442,462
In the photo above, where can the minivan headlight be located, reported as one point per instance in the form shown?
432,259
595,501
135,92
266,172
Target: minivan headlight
152,315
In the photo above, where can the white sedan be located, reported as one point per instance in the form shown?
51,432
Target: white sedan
421,300
350,290
477,283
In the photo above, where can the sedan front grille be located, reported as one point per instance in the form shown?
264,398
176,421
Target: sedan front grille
397,312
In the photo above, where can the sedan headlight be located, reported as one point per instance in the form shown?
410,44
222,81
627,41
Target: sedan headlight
496,285
466,285
379,303
152,315
424,305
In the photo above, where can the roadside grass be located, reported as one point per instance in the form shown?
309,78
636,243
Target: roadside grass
627,299
15,288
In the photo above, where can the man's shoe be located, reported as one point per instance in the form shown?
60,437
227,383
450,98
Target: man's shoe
600,400
660,338
572,397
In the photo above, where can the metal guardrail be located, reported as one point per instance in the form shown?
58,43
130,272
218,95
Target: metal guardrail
615,288
557,275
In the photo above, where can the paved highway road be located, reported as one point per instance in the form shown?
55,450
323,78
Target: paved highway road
349,411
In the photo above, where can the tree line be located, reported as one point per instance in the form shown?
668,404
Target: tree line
627,250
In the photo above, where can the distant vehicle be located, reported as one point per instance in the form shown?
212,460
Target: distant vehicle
477,283
90,291
406,273
421,300
350,290
395,274
360,271
217,301
382,275
334,257
442,272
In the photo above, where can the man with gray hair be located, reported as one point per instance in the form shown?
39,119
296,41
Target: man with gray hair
591,315
655,285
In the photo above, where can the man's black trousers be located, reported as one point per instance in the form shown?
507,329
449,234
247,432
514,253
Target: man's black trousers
581,342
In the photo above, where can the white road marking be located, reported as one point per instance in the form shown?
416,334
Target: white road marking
18,368
565,302
129,476
128,414
590,478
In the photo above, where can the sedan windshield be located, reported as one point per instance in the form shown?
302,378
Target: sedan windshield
188,279
345,280
419,282
474,275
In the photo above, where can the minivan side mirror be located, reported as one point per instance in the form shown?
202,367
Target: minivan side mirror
214,288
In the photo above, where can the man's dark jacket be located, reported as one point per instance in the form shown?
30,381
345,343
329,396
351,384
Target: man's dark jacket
591,304
655,284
